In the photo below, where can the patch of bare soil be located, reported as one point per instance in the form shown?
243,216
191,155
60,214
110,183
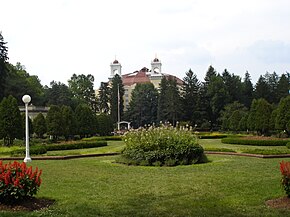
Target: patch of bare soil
28,205
279,203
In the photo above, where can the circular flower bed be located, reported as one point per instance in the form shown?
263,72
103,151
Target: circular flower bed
159,146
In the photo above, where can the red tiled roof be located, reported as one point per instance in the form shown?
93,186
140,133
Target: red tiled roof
131,79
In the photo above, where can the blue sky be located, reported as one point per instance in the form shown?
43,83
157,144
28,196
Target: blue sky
55,38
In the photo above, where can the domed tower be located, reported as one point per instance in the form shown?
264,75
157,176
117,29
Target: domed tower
115,68
156,66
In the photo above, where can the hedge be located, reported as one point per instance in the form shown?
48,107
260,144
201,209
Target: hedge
212,136
265,151
241,141
103,138
75,145
37,150
288,145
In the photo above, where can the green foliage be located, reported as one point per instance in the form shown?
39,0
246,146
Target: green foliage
219,149
54,122
3,65
10,121
143,105
33,150
39,125
75,145
190,97
283,115
103,138
69,124
86,121
288,145
285,180
104,98
255,142
165,144
82,88
18,182
169,101
213,136
105,125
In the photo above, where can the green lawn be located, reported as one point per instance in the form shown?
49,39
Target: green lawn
228,186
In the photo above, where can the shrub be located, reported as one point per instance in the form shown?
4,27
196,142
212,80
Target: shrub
255,142
167,145
75,145
34,150
285,180
288,145
18,182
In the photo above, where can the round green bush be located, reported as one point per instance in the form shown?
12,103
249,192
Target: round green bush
163,145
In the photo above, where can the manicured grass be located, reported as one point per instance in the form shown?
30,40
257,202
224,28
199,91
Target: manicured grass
228,186
216,143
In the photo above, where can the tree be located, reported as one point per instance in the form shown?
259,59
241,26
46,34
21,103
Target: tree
18,81
86,121
105,124
116,98
104,98
169,103
283,86
231,115
54,122
10,121
82,88
3,61
272,81
143,105
233,86
59,94
262,89
190,97
283,115
260,116
247,91
39,125
68,122
218,95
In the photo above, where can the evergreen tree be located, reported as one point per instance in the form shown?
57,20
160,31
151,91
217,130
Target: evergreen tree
219,97
260,116
3,67
283,86
162,100
105,125
190,97
247,90
116,98
54,122
104,98
143,105
39,125
68,122
86,121
272,81
10,121
283,115
262,89
233,86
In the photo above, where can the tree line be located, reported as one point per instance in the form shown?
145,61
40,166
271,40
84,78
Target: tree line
207,104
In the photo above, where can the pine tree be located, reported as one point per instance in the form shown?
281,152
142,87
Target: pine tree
3,62
283,86
68,122
104,98
39,125
54,122
247,90
190,97
11,126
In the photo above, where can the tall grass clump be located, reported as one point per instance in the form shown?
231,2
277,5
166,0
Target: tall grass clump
158,146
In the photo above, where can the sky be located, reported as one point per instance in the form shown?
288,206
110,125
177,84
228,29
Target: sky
54,39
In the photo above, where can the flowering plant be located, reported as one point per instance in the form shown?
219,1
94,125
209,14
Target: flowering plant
17,181
164,145
285,180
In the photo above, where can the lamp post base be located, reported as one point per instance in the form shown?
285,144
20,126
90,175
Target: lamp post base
27,159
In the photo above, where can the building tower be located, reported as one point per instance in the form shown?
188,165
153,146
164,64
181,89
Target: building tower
155,66
115,68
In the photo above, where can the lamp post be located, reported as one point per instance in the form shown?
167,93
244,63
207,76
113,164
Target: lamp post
26,99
